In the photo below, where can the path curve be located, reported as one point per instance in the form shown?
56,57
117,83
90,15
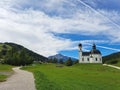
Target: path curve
20,80
112,66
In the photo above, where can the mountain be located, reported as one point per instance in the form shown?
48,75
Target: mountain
15,54
60,56
112,58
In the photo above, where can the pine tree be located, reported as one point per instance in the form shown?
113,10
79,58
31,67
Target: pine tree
55,60
75,62
69,62
61,61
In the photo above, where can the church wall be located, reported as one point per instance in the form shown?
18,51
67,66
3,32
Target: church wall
97,58
85,59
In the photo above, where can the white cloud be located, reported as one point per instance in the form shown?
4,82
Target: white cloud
33,28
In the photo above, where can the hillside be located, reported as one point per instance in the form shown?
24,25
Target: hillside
61,57
112,58
15,54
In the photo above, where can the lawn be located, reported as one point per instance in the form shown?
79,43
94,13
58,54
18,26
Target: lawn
118,64
5,71
77,77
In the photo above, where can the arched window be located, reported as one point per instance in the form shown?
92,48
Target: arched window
82,59
88,59
96,59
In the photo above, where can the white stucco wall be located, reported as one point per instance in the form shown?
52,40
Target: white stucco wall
84,59
96,58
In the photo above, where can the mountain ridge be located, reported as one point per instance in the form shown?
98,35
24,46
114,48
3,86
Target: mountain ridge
11,53
112,58
60,56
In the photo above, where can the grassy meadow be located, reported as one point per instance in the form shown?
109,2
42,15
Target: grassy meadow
5,71
77,77
118,64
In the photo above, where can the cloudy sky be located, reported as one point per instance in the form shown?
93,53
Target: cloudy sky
49,27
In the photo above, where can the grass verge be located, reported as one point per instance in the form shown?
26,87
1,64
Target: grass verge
5,71
77,77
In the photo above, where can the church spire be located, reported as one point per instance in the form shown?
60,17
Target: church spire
94,46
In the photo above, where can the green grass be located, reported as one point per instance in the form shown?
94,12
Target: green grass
8,47
77,77
3,78
118,64
5,71
5,68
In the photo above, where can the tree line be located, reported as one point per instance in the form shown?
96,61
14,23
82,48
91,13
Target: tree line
68,62
17,55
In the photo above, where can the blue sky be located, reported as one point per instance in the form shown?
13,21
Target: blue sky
49,27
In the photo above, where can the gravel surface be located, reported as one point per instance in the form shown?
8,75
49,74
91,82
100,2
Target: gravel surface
20,80
112,66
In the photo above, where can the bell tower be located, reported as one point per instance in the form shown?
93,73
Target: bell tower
80,52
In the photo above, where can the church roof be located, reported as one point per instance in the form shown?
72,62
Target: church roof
95,51
85,53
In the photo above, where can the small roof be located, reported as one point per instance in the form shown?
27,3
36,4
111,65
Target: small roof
85,53
80,45
95,51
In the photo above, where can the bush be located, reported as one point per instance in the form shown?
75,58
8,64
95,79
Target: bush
112,62
69,62
55,60
77,61
61,61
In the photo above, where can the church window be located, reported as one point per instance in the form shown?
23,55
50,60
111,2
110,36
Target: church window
82,59
88,59
96,59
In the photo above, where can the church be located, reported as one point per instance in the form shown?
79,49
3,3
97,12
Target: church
93,56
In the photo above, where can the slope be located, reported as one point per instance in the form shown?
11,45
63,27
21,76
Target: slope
11,52
112,58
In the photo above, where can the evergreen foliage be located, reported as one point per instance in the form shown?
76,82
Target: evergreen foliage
55,60
17,55
69,62
77,61
112,59
50,61
61,61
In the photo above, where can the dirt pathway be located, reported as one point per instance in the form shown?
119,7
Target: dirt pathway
21,80
112,66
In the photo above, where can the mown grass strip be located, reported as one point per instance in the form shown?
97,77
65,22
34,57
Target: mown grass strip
42,83
5,72
77,77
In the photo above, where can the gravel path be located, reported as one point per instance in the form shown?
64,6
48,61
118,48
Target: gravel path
112,66
21,80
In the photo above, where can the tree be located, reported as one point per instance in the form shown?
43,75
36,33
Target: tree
50,61
18,58
77,61
55,60
4,46
61,61
4,52
69,62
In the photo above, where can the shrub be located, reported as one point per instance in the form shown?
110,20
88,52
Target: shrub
77,61
61,61
69,62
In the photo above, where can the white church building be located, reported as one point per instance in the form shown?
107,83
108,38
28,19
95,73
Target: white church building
93,56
